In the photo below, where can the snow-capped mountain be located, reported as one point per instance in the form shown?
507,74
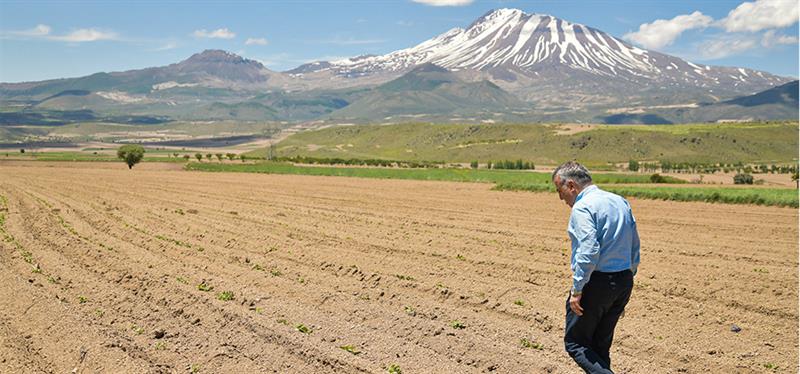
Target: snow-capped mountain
518,50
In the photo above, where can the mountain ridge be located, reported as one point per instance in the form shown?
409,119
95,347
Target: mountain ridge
529,67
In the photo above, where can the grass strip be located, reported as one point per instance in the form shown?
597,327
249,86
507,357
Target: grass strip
784,197
436,174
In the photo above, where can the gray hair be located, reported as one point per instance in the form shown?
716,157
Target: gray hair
573,171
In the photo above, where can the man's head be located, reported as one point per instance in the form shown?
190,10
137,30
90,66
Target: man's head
570,179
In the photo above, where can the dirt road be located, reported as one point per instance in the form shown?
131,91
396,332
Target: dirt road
101,270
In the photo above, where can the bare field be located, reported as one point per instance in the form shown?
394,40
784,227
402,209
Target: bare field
100,270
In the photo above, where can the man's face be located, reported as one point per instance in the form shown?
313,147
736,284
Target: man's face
566,191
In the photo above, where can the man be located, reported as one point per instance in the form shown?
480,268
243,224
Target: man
605,255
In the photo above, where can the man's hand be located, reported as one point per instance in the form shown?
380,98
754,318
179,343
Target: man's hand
575,304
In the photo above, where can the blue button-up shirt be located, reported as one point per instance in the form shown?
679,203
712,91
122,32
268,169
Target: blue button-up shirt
604,236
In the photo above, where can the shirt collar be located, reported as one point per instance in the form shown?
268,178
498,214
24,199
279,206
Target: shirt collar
585,191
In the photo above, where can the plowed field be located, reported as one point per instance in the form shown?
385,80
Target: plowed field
101,270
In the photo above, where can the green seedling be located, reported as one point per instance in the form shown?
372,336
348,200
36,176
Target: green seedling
204,287
225,295
394,369
36,269
138,330
276,273
303,328
82,299
458,325
350,349
461,257
519,302
410,310
160,346
182,280
99,312
529,344
283,322
194,369
258,267
770,366
404,277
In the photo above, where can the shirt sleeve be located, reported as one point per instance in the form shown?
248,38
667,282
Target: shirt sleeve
634,247
587,251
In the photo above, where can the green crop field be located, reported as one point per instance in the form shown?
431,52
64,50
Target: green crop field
593,145
437,174
730,195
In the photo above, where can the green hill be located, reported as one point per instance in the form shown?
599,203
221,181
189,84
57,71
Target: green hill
428,90
550,144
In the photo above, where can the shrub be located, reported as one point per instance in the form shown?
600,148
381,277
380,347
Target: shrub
633,165
186,157
742,178
198,156
131,154
657,178
473,164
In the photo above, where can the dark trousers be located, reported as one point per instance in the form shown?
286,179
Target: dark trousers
588,338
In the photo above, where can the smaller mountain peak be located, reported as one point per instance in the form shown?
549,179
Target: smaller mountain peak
217,56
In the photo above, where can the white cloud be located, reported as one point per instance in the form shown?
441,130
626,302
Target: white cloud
444,2
726,45
661,32
85,35
256,41
167,47
75,36
760,15
770,38
223,33
39,30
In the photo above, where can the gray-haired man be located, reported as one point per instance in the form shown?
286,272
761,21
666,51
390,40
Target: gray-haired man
605,255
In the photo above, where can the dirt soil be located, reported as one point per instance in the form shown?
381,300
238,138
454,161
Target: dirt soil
100,268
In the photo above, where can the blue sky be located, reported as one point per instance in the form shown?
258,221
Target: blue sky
56,39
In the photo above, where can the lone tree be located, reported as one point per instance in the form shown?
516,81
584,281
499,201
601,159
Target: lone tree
131,154
198,156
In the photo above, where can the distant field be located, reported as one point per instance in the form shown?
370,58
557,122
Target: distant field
184,131
100,156
445,174
532,181
594,145
728,195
